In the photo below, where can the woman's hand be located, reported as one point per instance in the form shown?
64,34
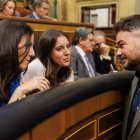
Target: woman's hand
36,83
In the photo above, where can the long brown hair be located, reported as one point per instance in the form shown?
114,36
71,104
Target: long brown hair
3,4
46,44
11,32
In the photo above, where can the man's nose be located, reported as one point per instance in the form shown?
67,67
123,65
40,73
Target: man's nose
118,52
93,43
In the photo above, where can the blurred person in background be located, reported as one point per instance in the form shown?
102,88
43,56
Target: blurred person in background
7,7
40,9
82,61
103,61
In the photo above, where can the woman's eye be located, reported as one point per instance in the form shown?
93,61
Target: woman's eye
68,46
58,49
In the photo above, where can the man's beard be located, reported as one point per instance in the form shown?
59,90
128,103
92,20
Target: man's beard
133,65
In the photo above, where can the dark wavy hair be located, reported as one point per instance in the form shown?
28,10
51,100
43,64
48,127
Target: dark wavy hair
129,23
46,44
11,33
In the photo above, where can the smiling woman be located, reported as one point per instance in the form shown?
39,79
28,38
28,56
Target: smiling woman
15,55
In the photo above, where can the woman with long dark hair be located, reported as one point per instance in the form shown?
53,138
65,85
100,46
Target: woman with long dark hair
53,60
16,51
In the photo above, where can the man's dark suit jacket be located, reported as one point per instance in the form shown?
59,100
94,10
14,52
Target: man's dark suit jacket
102,66
135,128
79,68
31,16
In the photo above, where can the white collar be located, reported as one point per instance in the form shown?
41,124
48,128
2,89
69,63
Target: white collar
35,15
81,51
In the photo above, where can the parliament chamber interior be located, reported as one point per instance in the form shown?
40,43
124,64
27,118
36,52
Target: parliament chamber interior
87,109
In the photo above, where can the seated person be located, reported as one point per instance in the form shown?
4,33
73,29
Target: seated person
7,7
82,61
53,60
16,50
103,61
40,9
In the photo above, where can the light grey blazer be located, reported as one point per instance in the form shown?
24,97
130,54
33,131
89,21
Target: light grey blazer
135,128
79,68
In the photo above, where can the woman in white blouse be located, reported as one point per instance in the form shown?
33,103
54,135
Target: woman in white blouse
53,60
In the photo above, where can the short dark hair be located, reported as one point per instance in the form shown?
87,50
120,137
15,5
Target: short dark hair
81,33
129,23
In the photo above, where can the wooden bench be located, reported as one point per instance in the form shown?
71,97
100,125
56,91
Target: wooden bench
41,25
91,108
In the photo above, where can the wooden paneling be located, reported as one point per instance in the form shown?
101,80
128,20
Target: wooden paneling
20,4
86,108
109,121
86,132
41,25
94,118
44,132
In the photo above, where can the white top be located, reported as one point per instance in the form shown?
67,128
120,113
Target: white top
36,68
